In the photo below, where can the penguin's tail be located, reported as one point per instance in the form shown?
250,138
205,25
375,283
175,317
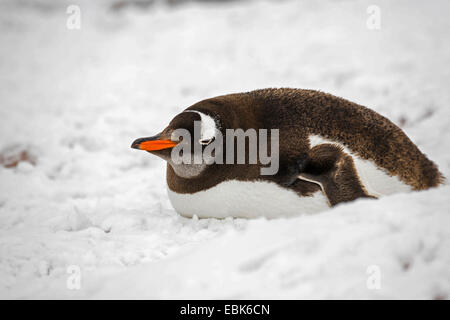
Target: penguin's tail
431,176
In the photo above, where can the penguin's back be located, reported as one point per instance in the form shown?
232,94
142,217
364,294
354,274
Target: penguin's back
306,114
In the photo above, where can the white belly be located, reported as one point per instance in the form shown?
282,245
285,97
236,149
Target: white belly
246,200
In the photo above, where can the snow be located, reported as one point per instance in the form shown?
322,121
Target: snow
74,100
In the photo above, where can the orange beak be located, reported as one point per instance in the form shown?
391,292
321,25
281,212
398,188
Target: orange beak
153,143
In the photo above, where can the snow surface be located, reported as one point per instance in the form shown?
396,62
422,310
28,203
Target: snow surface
76,99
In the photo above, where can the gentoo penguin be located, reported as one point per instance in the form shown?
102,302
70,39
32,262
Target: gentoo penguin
330,151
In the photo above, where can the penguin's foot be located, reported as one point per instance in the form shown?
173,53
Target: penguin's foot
290,174
333,170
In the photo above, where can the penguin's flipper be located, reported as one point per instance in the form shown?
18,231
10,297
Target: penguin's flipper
333,170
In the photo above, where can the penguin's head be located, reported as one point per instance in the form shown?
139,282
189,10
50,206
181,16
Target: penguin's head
182,142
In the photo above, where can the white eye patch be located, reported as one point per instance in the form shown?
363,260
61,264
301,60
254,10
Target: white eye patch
208,128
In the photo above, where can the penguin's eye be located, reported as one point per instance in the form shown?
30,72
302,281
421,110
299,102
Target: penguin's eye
206,141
